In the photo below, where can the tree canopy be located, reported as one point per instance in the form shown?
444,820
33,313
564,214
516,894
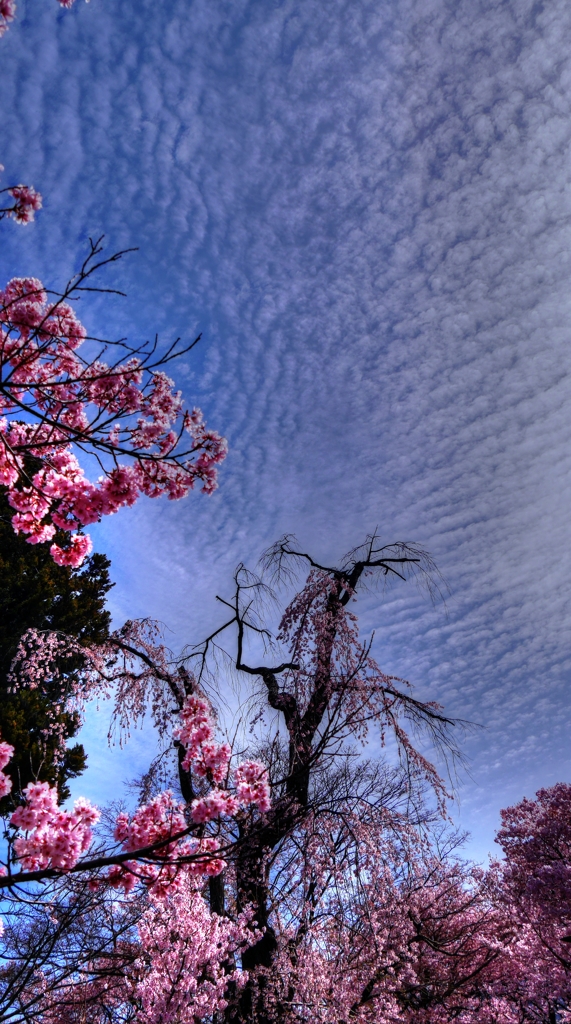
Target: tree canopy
37,593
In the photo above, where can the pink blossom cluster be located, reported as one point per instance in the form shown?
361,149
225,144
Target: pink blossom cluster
118,411
180,970
123,411
27,200
217,804
252,785
162,824
395,932
536,839
211,760
6,753
54,838
159,833
534,885
196,734
391,933
159,819
252,789
185,967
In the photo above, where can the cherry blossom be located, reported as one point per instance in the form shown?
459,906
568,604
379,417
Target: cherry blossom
375,925
211,760
184,967
536,839
186,958
161,825
252,785
179,962
54,838
533,883
126,414
6,753
196,735
160,831
26,200
378,926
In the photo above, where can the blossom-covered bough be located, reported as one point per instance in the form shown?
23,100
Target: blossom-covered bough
163,834
57,403
23,200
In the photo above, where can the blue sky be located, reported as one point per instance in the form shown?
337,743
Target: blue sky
366,208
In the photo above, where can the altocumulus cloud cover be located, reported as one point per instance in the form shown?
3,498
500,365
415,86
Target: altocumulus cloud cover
365,207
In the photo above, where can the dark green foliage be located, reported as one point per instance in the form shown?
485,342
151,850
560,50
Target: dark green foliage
35,592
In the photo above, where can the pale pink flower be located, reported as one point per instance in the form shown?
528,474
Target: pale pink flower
252,785
6,753
54,838
28,201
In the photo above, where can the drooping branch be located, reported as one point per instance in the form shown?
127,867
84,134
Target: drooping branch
283,561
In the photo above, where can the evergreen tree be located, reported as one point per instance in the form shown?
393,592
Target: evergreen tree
35,592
